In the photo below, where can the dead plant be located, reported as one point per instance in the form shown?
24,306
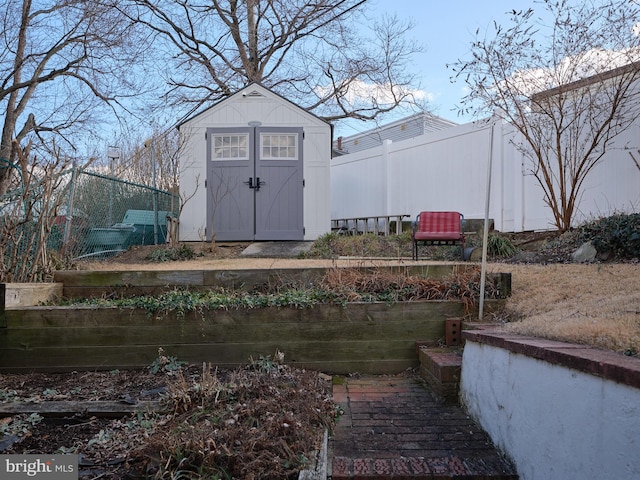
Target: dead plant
364,285
256,422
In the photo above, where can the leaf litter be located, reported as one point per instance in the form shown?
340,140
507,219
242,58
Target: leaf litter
263,420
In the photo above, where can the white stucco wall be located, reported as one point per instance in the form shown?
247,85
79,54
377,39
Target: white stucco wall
555,423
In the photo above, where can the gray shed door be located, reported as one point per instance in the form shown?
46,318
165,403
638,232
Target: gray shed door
254,184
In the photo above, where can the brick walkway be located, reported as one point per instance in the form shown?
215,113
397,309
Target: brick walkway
394,427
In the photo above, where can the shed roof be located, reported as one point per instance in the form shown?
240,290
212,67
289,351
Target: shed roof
252,89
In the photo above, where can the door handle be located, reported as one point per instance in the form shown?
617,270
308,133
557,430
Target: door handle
251,185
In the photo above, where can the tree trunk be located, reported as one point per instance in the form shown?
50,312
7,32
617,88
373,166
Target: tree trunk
252,33
12,110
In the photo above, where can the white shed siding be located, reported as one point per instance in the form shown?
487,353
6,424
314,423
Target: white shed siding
449,172
317,191
270,110
193,156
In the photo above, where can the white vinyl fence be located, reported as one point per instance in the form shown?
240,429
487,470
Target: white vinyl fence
447,170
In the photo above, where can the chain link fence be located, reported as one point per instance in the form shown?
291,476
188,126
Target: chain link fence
78,214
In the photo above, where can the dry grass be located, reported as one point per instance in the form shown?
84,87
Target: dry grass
596,304
356,285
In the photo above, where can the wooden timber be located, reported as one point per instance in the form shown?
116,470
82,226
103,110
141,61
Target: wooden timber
366,337
30,294
86,284
89,408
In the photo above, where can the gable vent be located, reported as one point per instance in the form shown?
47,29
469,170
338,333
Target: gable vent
254,93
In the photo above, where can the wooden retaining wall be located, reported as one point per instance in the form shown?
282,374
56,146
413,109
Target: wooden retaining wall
367,337
30,294
85,284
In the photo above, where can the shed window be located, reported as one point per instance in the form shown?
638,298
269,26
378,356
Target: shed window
279,147
230,147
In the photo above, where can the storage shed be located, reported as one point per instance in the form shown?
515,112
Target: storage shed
254,166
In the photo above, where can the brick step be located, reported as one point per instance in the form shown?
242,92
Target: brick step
440,368
395,427
418,468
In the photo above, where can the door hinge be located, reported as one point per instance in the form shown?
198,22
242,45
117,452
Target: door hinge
303,134
205,183
304,230
303,182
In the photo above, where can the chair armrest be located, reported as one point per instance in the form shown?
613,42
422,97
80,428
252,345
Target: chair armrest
415,223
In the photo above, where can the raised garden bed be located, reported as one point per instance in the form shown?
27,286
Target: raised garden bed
85,284
368,337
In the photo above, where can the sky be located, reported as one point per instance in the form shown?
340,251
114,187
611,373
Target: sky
446,29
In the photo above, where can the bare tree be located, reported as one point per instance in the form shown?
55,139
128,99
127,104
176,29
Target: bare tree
635,161
28,218
143,160
309,51
61,59
568,85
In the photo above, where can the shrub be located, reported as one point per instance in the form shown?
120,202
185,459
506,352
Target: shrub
166,364
500,246
618,234
182,252
323,246
333,245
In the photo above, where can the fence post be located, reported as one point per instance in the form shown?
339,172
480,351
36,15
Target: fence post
155,191
3,294
69,219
